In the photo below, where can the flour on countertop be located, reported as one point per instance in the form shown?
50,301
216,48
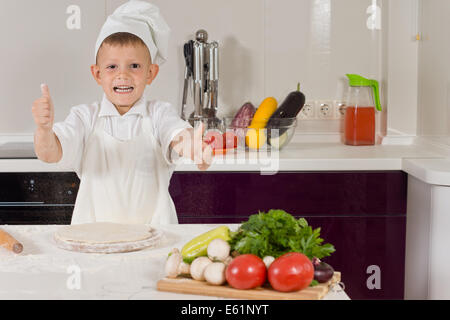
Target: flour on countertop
40,254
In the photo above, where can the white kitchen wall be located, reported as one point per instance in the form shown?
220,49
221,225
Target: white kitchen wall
402,66
434,70
38,47
237,25
266,47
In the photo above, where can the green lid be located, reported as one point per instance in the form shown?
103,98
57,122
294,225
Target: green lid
358,81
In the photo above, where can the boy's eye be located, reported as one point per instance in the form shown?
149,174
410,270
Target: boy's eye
133,65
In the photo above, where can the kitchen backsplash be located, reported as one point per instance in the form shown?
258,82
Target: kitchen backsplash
266,48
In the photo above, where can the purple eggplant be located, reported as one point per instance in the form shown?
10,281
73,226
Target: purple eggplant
244,116
242,120
285,116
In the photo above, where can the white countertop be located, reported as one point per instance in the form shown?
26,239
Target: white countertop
43,271
419,158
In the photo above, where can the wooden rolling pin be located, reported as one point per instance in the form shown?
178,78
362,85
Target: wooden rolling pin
7,241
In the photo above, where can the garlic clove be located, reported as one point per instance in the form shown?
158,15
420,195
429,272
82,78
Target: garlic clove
172,263
184,268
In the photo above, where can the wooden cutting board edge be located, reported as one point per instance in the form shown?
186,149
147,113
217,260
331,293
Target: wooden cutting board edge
190,286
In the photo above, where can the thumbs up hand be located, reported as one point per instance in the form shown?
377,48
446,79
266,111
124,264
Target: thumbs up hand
43,110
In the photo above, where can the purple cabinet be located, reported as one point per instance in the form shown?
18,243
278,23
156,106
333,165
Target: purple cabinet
363,243
362,213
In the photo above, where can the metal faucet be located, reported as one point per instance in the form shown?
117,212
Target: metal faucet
202,74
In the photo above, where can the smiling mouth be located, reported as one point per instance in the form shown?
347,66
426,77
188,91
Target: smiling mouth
123,89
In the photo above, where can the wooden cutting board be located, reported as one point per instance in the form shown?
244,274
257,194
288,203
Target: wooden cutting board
190,286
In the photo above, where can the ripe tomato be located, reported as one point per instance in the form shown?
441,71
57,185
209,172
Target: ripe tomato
246,271
221,143
214,138
220,151
292,271
230,140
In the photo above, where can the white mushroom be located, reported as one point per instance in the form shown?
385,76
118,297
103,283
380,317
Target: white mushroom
184,268
198,267
228,260
268,260
218,250
172,264
215,273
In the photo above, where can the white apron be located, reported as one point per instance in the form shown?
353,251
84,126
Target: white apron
124,181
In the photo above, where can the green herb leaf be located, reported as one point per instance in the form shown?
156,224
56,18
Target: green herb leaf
277,232
314,283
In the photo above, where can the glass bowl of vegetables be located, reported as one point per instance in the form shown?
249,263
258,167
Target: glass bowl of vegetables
264,134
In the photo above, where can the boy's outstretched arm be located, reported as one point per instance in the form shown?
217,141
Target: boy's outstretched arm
46,144
189,144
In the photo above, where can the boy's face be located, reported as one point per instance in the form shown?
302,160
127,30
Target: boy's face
124,66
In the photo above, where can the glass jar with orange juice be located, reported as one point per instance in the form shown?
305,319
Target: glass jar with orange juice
361,103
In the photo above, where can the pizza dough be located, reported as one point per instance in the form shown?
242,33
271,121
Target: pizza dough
104,232
106,237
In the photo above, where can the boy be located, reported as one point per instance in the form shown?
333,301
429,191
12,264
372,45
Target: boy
121,148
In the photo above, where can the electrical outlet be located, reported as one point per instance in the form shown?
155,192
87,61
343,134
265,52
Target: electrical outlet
308,111
339,109
325,110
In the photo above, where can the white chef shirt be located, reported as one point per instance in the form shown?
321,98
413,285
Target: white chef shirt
74,131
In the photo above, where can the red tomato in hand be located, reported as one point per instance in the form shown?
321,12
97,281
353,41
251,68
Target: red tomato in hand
246,271
292,271
230,140
214,138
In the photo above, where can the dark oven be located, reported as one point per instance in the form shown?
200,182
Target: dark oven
37,197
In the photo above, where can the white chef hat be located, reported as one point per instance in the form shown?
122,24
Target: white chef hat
144,20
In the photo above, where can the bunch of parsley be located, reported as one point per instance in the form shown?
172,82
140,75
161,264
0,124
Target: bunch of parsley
277,232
